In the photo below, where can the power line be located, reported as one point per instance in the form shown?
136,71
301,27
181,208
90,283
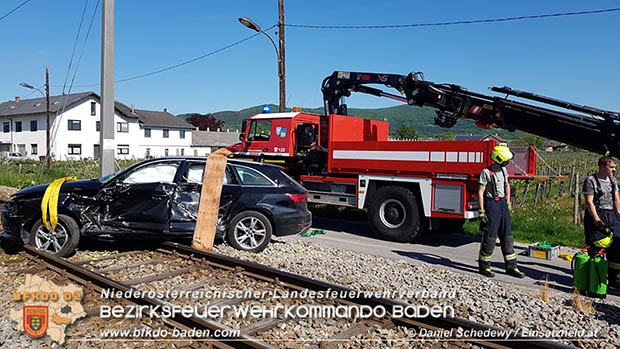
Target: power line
182,63
15,9
436,24
84,45
77,36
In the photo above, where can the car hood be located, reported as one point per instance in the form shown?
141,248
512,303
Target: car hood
70,186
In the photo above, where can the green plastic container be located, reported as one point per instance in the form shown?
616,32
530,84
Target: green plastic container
597,286
581,270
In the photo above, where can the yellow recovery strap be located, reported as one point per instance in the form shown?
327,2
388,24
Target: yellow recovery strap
50,200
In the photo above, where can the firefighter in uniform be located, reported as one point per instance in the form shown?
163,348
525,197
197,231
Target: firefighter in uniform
602,216
494,200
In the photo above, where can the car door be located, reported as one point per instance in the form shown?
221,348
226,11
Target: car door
259,137
184,207
139,200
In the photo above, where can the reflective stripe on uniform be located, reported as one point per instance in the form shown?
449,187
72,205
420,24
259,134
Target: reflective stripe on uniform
613,265
485,258
510,257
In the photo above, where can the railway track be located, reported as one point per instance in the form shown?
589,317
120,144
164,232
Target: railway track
142,277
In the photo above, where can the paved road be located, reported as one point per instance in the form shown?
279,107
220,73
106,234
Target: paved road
458,252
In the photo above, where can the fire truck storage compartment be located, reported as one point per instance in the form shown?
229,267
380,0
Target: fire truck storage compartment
448,198
410,158
331,191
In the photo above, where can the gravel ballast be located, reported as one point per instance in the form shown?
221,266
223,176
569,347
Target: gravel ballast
472,297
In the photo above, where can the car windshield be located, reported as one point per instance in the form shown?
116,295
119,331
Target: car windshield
106,178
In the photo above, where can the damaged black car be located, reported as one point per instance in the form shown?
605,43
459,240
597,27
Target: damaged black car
159,198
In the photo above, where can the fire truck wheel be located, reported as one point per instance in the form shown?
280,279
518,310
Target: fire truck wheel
393,214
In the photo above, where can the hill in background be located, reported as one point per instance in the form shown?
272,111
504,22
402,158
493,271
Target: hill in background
418,118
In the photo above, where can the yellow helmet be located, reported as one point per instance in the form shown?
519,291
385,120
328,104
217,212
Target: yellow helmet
501,154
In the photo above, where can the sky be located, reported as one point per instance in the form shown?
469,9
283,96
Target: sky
573,58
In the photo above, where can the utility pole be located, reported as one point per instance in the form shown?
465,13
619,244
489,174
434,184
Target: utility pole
106,136
281,69
48,161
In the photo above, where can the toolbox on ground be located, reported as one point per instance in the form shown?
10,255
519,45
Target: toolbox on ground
543,250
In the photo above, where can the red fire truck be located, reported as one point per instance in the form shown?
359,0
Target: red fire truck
406,185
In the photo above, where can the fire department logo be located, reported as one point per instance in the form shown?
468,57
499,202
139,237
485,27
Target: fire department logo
46,309
35,320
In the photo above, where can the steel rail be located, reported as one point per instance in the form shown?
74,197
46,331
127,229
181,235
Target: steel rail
304,282
83,275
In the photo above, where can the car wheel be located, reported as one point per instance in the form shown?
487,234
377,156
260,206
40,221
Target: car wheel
249,231
393,214
59,242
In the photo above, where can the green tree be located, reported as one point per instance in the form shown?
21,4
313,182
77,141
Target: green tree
529,139
447,137
405,132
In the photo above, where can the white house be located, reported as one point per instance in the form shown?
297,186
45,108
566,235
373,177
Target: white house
74,129
206,142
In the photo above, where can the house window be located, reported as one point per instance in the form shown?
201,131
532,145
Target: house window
6,127
147,132
182,133
166,151
33,125
98,126
166,133
123,149
75,149
122,127
34,149
93,108
74,125
18,126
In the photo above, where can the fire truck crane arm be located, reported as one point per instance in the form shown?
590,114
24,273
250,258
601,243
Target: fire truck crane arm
582,126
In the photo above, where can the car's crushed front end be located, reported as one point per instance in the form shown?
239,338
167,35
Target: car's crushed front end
10,238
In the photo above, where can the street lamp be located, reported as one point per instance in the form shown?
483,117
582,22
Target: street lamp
279,53
46,95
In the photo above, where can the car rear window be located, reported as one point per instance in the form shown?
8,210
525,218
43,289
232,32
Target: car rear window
250,176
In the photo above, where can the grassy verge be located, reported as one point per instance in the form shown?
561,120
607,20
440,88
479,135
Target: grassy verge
25,173
548,221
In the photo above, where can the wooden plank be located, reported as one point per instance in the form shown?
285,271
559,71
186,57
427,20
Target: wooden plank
209,206
103,258
230,301
92,311
337,339
155,277
32,270
129,266
261,326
